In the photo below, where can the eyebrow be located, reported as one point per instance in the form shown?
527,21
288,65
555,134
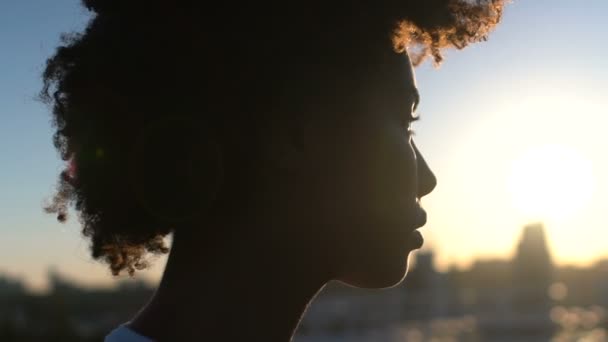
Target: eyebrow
416,97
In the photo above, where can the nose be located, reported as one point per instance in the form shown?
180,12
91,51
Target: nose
426,179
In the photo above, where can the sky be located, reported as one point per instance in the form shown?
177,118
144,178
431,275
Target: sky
514,129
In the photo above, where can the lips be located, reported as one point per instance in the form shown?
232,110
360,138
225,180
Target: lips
420,217
415,239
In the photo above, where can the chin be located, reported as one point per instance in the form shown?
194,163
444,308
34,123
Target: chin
380,274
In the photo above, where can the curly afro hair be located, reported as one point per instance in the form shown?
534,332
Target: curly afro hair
425,33
152,85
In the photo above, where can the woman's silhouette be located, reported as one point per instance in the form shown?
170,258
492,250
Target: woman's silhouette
274,142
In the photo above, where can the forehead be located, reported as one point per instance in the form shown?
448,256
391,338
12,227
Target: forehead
372,93
400,70
371,85
390,78
368,96
410,76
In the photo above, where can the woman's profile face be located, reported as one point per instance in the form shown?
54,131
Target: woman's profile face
371,175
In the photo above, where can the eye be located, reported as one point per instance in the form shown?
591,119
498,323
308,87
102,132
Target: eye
407,124
416,101
410,130
409,117
410,114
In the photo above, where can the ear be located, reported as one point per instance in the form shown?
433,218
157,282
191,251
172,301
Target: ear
176,168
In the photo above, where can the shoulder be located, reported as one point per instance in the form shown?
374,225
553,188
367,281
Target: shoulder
124,334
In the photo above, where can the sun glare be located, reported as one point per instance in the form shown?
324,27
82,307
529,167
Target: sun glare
551,182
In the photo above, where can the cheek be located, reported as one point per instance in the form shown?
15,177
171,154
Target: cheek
370,184
374,242
397,166
387,179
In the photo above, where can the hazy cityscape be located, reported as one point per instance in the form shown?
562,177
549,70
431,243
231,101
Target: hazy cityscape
525,298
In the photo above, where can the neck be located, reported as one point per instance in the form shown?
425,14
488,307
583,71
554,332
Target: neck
239,290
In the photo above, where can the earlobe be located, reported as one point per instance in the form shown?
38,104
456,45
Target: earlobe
176,169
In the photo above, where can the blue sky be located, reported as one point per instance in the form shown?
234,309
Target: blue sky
543,50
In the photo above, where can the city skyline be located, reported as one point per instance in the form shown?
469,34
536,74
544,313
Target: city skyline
524,298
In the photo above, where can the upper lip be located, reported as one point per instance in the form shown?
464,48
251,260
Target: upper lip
420,217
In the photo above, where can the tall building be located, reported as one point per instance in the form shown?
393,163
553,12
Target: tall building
533,270
532,263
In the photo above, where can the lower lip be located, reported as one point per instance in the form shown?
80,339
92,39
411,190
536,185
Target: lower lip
415,240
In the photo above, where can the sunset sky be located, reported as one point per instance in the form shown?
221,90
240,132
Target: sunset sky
515,130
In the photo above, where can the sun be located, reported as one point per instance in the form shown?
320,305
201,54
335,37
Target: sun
551,182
